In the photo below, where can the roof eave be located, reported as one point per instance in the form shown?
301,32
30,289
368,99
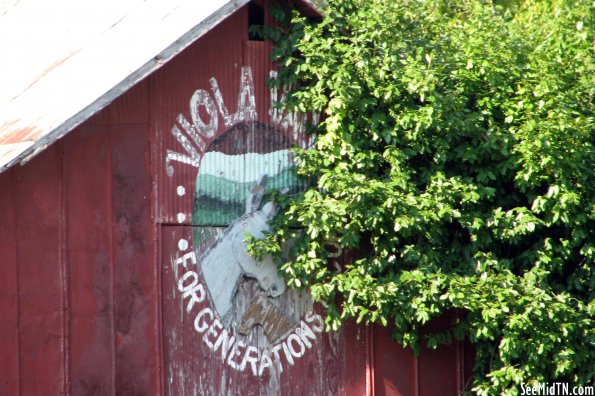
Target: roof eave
153,64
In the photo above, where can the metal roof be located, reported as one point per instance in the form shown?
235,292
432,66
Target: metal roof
64,60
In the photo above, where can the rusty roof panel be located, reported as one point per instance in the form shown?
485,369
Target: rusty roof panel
65,60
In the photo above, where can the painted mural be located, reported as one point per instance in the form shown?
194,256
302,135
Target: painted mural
239,308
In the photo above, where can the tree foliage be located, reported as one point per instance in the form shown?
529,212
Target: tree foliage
456,156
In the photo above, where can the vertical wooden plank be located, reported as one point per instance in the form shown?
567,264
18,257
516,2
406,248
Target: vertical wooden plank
468,360
38,208
88,202
439,369
397,371
9,333
135,286
394,366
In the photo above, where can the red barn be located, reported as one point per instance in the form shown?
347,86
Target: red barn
137,140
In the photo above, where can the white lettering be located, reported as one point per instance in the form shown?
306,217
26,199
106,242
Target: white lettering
305,332
555,388
291,340
194,298
193,157
199,324
225,342
552,388
202,98
250,356
314,317
184,277
288,354
184,259
246,111
277,358
191,290
565,387
235,351
228,119
280,117
193,132
275,111
213,330
265,362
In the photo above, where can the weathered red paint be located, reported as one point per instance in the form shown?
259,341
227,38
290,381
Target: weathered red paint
88,235
9,303
77,248
90,265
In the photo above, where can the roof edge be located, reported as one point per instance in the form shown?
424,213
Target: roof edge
149,67
311,7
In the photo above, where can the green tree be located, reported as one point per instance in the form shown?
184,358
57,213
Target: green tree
456,155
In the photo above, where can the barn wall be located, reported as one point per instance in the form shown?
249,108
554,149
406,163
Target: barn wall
212,109
77,246
91,241
9,329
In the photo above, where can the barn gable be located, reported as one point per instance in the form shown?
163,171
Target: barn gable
67,60
121,242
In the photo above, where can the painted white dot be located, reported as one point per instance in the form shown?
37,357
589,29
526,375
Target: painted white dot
182,244
181,191
181,217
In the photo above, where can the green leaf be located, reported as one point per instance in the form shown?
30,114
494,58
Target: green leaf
455,161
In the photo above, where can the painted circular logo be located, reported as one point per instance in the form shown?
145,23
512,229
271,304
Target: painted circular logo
241,308
235,173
